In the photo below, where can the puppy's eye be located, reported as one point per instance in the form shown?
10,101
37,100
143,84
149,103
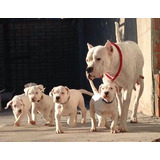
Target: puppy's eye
14,106
98,59
111,88
62,92
36,92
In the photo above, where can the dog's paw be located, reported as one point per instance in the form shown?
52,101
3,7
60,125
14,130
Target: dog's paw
51,125
32,122
93,129
113,131
58,131
122,129
133,120
16,124
83,121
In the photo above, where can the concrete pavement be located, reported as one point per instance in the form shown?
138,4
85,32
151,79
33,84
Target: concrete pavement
147,130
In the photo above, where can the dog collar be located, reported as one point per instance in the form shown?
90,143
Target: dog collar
107,101
40,99
120,66
67,100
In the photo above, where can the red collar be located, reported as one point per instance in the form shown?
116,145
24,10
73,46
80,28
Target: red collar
120,66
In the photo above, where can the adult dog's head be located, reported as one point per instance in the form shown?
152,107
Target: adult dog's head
98,60
35,93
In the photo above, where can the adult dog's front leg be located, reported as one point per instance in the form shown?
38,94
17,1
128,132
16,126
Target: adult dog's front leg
126,102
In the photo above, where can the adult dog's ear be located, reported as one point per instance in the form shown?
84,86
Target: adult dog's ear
8,104
89,46
41,87
26,90
109,47
68,92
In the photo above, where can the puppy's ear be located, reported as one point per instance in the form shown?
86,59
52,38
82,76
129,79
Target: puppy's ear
8,104
26,91
51,92
108,45
99,90
41,87
68,92
89,46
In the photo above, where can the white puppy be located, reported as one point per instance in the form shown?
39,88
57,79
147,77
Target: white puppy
21,106
104,104
66,102
42,103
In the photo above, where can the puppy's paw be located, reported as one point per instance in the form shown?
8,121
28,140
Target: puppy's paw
16,124
83,121
32,122
133,120
93,129
122,129
58,131
113,131
51,125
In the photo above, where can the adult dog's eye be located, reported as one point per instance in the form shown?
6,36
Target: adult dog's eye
62,92
98,59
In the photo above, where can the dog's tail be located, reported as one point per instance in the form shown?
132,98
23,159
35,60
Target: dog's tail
83,91
95,91
117,32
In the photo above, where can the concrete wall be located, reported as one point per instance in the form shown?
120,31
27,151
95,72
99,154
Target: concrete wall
143,37
144,34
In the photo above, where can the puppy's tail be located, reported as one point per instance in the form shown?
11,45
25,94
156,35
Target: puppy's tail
95,91
83,91
117,32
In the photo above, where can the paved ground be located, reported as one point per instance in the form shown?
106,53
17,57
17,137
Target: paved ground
147,130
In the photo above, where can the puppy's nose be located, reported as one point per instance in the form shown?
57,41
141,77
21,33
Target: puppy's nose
19,110
58,97
32,99
106,93
89,69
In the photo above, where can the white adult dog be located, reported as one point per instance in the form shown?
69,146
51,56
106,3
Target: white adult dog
66,102
21,106
122,63
104,104
41,103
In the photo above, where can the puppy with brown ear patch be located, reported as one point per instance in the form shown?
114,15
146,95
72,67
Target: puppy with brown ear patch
66,102
21,106
41,103
104,104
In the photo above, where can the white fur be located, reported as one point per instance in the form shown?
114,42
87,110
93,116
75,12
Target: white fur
102,109
105,59
67,104
21,106
42,103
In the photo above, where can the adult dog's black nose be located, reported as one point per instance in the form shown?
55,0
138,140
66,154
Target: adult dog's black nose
89,69
58,97
106,93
